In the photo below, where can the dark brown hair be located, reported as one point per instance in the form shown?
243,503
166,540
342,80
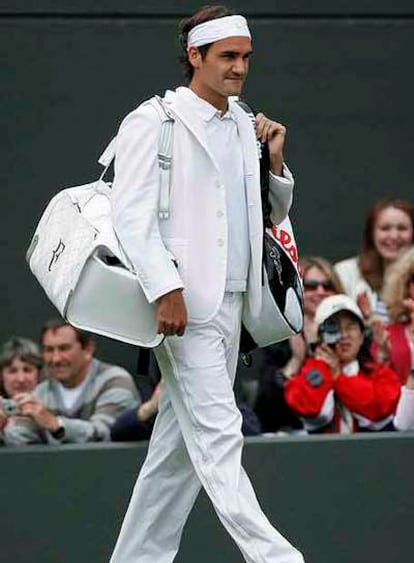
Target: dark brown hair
203,14
371,264
54,324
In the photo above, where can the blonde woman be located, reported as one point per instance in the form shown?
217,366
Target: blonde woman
319,281
397,344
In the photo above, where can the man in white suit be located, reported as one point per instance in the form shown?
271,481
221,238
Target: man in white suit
201,268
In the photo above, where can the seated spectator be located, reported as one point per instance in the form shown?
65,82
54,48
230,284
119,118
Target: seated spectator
20,363
388,232
79,400
341,389
404,416
394,343
281,361
137,423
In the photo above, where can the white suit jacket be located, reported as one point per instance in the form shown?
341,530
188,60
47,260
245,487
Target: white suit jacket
196,231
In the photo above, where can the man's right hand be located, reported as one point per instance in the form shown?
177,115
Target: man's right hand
171,314
30,405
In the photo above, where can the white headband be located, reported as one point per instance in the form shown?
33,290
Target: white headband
220,28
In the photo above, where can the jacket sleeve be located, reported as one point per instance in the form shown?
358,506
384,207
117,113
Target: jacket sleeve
23,431
373,396
346,271
128,428
280,194
404,417
310,393
135,203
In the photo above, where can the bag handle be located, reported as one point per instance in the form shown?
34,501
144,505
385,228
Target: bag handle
107,157
264,156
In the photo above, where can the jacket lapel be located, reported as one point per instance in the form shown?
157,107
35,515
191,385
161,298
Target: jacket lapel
190,120
250,156
254,205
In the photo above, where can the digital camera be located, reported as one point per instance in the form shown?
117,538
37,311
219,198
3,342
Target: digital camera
9,406
330,332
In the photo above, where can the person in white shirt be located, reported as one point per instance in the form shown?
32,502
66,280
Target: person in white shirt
214,234
388,233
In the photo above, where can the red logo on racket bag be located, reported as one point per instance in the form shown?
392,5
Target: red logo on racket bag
287,241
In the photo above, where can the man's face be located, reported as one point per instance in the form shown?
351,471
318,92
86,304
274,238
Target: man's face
65,358
222,72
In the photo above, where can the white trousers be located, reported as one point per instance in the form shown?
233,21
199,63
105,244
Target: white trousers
197,441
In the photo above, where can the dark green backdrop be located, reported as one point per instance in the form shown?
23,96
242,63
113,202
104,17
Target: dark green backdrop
338,74
340,500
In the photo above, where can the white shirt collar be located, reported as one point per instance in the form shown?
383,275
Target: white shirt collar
352,368
202,108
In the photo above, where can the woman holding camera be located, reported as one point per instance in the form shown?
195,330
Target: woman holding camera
284,359
20,364
341,389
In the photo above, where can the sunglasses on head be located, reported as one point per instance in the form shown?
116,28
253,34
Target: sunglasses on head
314,284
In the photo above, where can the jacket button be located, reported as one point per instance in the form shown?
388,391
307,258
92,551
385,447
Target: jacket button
220,214
220,242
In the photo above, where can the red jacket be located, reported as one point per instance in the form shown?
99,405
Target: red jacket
371,394
400,352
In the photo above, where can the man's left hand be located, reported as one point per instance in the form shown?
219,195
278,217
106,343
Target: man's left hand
31,406
274,133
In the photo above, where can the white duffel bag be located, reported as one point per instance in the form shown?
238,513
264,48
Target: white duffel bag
79,262
80,265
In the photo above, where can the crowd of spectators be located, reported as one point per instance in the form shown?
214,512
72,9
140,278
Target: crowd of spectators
350,370
79,398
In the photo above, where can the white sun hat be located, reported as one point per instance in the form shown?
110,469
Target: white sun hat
334,304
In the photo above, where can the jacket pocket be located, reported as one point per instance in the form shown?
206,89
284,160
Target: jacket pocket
178,250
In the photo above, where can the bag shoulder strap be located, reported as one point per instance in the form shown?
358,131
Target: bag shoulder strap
164,154
264,156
